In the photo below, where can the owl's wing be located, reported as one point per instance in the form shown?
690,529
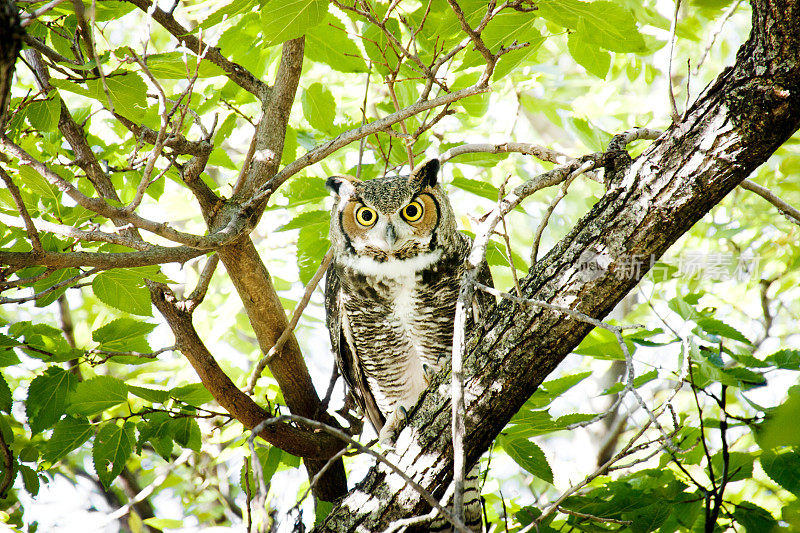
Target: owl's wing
344,349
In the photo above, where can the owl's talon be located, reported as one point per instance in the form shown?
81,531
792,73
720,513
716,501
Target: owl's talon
391,428
427,373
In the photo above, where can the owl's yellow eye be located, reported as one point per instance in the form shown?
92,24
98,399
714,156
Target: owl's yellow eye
413,211
366,216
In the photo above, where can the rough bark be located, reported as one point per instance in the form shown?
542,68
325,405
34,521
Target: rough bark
733,127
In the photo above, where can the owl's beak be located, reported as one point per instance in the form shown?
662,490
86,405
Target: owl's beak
391,236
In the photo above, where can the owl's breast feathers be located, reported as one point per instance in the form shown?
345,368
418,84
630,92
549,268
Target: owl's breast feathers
386,323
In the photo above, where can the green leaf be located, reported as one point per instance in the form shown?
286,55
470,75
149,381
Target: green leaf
158,430
607,24
321,510
588,54
187,432
283,20
68,434
637,382
312,243
44,114
151,395
479,188
194,394
230,9
56,277
30,479
308,218
786,359
179,66
305,190
48,395
5,395
378,47
740,466
783,468
529,456
127,90
319,107
121,289
717,327
602,344
97,394
163,523
124,334
112,447
754,518
328,43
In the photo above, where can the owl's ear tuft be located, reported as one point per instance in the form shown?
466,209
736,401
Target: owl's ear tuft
426,175
341,186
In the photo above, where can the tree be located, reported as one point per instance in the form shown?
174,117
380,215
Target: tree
108,134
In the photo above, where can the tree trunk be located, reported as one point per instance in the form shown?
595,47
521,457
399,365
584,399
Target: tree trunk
733,127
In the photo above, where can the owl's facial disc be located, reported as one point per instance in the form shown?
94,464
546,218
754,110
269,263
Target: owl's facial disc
390,234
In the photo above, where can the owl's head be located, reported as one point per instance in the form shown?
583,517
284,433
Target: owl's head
388,220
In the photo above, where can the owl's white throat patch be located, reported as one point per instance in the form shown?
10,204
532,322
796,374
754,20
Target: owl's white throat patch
391,268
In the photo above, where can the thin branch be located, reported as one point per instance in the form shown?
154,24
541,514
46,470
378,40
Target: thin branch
8,467
301,306
152,256
540,152
30,228
562,192
86,32
593,517
792,213
561,309
457,524
81,235
235,227
28,18
48,290
142,355
676,118
588,479
234,71
322,151
203,282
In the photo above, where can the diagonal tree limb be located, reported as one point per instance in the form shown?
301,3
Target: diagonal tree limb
235,72
735,125
290,438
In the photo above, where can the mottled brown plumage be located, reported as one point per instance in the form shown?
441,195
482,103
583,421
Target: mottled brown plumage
391,292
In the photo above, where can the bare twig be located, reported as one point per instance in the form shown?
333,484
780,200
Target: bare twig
30,228
301,306
199,292
588,479
792,213
8,467
325,149
457,524
28,18
48,290
593,517
75,233
562,192
673,30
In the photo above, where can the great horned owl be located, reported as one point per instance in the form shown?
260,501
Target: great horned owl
391,293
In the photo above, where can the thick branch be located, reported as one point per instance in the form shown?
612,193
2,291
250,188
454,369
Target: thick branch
271,130
153,256
287,437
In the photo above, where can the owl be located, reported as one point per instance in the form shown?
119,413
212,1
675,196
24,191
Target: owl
391,293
